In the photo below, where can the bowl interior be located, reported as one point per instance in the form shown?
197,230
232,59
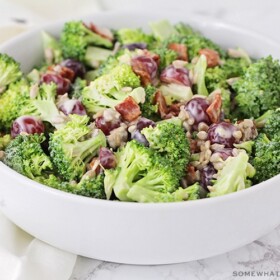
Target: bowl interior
28,49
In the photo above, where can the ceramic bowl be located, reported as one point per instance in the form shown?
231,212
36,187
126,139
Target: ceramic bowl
134,233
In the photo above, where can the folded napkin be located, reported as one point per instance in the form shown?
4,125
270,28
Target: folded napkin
22,257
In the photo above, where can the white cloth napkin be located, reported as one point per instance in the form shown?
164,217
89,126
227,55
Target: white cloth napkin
22,257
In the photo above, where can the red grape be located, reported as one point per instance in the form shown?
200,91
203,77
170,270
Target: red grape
73,106
63,85
27,124
175,75
197,108
222,133
76,66
107,158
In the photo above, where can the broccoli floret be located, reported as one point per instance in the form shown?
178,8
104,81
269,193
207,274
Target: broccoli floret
52,49
106,91
9,71
272,124
12,101
199,72
170,141
89,186
266,157
4,141
95,101
76,38
247,146
234,175
166,55
234,67
176,93
142,175
25,155
43,106
118,78
72,146
77,88
185,30
130,36
258,90
149,109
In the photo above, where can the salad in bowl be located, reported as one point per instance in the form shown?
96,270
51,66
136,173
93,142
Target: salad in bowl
127,115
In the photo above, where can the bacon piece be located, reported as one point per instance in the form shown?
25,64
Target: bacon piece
180,49
214,110
129,109
162,107
62,71
145,67
94,166
213,58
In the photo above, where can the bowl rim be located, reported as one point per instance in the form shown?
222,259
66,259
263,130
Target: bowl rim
27,182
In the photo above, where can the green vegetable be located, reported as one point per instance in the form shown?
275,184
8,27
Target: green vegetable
25,155
272,124
266,157
166,55
162,29
9,71
76,38
72,146
175,149
176,92
234,176
52,49
95,56
199,72
258,90
12,102
143,175
130,36
149,109
43,105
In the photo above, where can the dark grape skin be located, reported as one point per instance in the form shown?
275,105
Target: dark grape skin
206,175
134,46
107,158
222,133
106,126
144,122
63,85
146,64
175,75
73,107
137,135
197,108
27,124
76,66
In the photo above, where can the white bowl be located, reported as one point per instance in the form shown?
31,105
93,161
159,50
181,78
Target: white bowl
141,233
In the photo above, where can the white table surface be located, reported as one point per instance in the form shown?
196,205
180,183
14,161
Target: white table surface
261,256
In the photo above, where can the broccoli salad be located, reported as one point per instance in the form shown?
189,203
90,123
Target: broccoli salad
125,115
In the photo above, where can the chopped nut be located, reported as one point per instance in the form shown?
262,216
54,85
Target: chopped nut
34,91
202,135
203,127
237,134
